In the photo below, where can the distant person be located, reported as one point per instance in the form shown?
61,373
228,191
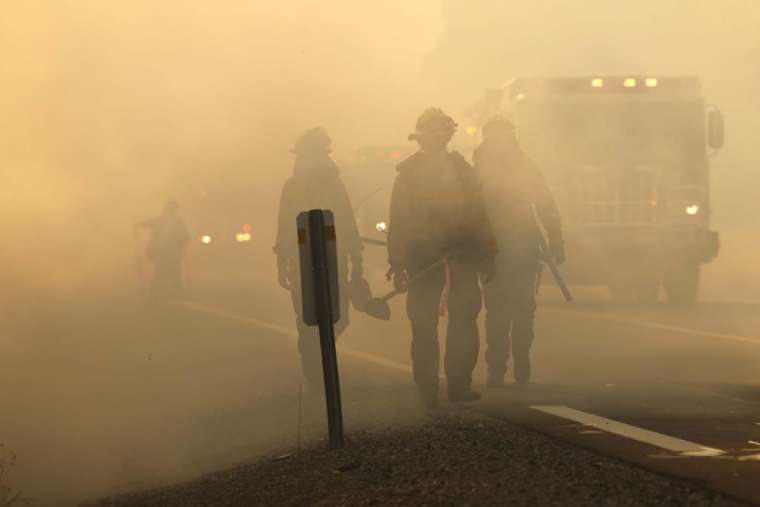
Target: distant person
166,249
515,193
316,184
437,213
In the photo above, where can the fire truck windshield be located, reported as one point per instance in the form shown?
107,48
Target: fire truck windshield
612,133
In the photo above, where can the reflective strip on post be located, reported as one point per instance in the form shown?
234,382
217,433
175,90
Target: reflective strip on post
331,249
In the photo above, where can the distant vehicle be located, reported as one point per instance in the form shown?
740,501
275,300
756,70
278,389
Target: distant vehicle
627,158
220,221
369,178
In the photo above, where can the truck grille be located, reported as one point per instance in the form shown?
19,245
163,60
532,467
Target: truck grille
602,198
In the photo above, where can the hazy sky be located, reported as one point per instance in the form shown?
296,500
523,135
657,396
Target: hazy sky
110,107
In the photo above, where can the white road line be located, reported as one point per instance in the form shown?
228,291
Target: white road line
662,327
374,359
387,363
245,320
682,447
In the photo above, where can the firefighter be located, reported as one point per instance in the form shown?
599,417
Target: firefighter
515,194
437,213
315,184
166,249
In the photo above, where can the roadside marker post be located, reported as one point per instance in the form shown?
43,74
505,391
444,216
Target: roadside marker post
318,257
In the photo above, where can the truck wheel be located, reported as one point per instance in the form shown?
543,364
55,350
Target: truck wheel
682,283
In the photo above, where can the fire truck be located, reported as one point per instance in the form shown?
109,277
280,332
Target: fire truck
627,158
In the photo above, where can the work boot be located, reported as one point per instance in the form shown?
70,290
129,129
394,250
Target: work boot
429,398
463,394
522,368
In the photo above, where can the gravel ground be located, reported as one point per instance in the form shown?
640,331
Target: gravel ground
452,458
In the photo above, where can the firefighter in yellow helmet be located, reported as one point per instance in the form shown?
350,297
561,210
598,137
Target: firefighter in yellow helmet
315,184
437,212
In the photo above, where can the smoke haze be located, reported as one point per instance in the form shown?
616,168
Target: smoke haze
111,108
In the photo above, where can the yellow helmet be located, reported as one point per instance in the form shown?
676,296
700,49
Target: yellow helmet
433,120
313,140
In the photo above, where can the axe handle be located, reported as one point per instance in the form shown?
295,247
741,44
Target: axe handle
416,277
547,259
560,281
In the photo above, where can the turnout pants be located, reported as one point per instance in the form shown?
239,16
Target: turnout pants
308,336
510,300
462,340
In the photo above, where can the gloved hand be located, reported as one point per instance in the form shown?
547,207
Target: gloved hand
557,251
400,280
487,270
357,267
283,275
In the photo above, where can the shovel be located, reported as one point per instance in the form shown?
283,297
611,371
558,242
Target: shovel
378,307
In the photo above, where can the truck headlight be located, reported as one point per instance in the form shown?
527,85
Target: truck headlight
381,226
692,210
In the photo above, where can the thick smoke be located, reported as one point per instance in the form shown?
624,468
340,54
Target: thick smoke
110,108
486,43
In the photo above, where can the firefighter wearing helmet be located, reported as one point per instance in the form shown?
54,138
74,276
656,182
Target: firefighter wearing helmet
166,249
315,184
439,243
515,194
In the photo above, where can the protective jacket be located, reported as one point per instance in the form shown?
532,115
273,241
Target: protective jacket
316,184
513,188
436,209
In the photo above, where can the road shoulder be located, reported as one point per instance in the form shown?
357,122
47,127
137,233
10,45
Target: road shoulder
451,457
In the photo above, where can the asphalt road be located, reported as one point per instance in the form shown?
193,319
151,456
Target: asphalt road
128,395
676,391
116,396
684,385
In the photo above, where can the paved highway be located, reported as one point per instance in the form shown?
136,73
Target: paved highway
128,395
674,391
